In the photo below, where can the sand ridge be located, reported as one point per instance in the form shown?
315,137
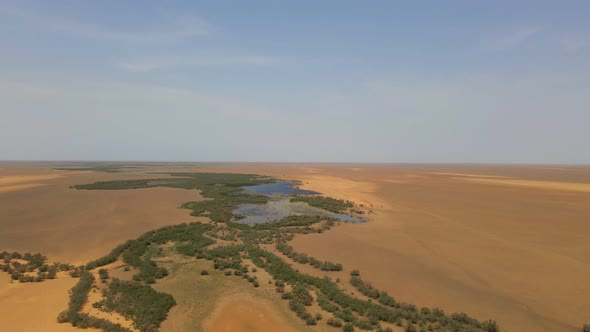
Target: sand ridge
20,182
550,185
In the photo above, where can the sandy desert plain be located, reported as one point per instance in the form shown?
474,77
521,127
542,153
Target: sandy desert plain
503,242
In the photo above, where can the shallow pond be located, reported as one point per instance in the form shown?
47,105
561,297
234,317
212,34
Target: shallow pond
278,209
283,188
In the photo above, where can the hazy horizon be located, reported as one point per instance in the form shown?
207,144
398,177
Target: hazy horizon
460,82
72,161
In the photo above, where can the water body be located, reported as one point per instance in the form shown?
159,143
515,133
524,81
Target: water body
278,209
283,189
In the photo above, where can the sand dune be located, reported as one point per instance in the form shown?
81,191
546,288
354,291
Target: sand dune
21,182
551,185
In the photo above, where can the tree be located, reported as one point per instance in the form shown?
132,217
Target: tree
355,273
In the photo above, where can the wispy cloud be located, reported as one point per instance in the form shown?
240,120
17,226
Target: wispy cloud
175,30
574,44
169,61
509,38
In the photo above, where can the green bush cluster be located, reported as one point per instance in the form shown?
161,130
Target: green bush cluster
300,299
334,322
305,259
79,297
291,221
146,307
34,263
326,203
189,237
103,274
283,271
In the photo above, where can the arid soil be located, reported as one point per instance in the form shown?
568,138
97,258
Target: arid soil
508,243
76,226
215,302
34,306
72,226
243,315
514,250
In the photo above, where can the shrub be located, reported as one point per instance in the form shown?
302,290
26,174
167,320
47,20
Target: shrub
140,303
204,272
335,322
491,326
348,328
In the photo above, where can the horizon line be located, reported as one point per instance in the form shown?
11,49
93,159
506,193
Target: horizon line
293,162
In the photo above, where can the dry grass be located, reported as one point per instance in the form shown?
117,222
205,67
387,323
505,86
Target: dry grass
216,302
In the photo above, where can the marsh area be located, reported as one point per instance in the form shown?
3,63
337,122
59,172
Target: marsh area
280,206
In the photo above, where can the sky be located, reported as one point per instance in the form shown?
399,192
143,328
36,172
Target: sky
296,81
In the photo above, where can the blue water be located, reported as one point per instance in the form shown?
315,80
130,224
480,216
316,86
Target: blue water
276,210
284,188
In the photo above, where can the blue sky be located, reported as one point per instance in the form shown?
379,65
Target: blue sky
296,81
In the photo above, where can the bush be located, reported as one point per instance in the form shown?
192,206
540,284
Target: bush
140,303
335,322
348,328
204,272
491,326
326,203
586,328
103,274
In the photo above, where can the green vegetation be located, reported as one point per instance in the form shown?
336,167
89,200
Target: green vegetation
78,297
33,269
223,189
335,322
326,203
146,307
305,259
283,271
104,275
189,239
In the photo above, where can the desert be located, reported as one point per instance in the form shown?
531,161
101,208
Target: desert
434,238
